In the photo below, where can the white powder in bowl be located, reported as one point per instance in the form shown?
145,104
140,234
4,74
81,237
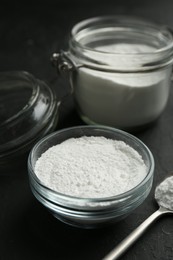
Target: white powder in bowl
164,193
91,167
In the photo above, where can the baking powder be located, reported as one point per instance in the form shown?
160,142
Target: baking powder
91,167
164,193
118,99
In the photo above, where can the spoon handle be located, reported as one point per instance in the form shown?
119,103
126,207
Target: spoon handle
132,238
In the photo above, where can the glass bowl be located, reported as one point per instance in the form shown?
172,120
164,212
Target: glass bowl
28,111
90,212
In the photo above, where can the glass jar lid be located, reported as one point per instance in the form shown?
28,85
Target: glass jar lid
28,111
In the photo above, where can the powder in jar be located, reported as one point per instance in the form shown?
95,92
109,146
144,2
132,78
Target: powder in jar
164,193
91,167
122,100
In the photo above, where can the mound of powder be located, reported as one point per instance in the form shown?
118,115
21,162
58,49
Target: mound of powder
164,193
91,167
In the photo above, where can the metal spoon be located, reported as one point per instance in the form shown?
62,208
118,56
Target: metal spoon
132,238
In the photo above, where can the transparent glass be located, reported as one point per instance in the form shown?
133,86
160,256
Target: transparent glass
29,110
90,213
90,36
120,70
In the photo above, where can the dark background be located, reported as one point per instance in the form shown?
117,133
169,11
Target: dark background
29,33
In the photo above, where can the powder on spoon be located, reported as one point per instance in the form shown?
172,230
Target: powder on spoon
91,167
164,193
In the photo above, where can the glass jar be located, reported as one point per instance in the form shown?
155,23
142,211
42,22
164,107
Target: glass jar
28,111
119,69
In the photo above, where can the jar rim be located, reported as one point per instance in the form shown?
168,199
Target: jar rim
161,56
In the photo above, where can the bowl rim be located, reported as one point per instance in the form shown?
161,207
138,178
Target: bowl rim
73,199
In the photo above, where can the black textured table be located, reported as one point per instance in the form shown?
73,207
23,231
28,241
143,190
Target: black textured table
29,34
